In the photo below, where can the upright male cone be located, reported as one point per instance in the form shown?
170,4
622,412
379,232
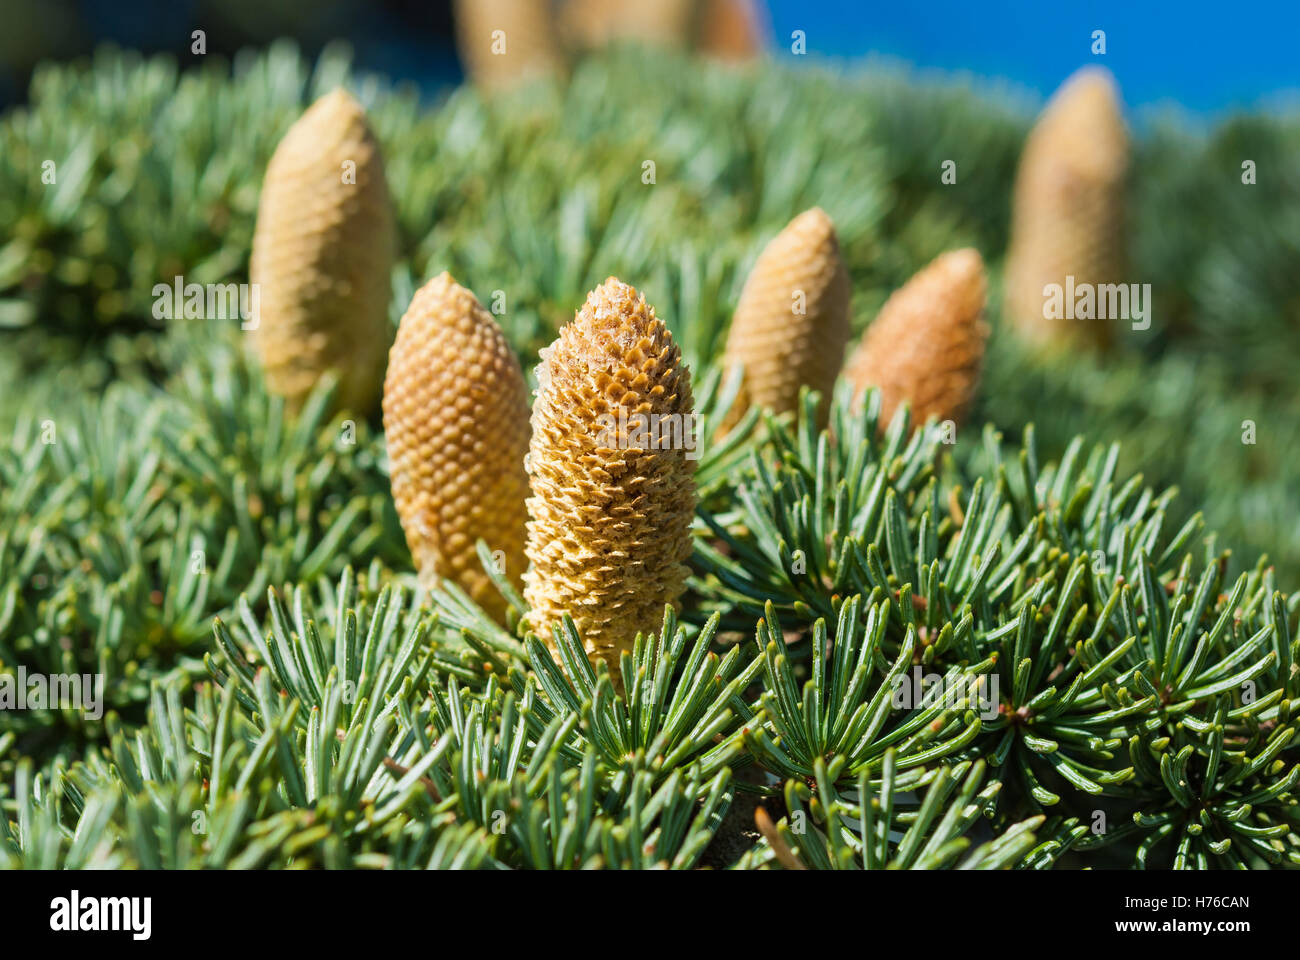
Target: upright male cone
503,42
613,492
792,323
926,347
1068,213
726,29
456,421
594,23
322,256
733,29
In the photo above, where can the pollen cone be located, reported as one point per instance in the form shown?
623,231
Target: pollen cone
1068,214
732,30
502,42
322,253
792,323
727,29
594,23
456,421
613,491
927,344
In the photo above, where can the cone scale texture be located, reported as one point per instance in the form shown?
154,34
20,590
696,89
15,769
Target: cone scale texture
456,421
792,322
1068,213
926,347
323,251
610,515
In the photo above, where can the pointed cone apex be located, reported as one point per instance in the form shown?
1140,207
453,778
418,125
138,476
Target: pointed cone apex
323,251
456,421
1068,213
926,346
613,490
503,42
792,323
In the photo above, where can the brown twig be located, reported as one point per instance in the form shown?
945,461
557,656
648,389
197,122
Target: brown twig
774,839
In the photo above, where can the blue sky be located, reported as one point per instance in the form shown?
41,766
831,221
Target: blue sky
1208,57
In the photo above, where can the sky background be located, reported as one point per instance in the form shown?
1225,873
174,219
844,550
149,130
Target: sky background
1207,57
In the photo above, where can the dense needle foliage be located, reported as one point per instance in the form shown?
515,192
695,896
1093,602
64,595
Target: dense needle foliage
1127,681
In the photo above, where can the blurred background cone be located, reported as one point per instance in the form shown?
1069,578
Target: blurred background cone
792,322
727,29
926,347
594,23
322,256
1068,213
456,421
732,29
503,42
611,509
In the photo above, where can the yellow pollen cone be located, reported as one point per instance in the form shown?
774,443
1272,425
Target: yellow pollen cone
613,492
323,252
926,346
792,322
1068,214
456,421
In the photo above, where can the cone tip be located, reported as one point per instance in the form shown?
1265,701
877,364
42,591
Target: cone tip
612,303
1092,73
339,99
441,283
1090,84
966,261
336,110
814,218
441,289
1082,129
